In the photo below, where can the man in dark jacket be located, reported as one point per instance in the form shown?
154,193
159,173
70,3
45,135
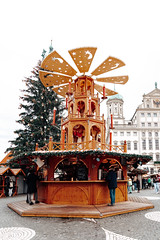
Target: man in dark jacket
111,178
32,186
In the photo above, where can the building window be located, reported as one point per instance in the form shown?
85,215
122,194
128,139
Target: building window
121,143
157,144
151,154
142,114
135,146
150,134
134,133
148,114
156,134
116,122
150,144
149,124
115,143
143,124
115,133
157,157
155,124
143,134
147,105
144,144
128,145
128,134
121,133
155,114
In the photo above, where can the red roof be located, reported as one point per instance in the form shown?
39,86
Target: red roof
4,169
16,171
6,158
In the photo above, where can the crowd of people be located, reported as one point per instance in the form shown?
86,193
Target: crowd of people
147,183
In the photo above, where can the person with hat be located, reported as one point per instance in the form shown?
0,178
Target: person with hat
111,179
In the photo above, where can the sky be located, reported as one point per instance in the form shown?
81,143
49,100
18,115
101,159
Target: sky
125,29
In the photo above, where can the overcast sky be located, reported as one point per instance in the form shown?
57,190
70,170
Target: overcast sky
128,30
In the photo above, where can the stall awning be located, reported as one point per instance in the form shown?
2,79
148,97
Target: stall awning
138,171
157,162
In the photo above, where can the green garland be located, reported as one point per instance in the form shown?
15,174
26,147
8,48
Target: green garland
82,153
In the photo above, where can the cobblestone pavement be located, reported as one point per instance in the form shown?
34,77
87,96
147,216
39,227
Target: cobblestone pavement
142,225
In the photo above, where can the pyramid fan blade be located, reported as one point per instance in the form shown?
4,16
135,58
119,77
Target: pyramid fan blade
50,79
62,90
83,57
115,80
109,64
100,90
54,62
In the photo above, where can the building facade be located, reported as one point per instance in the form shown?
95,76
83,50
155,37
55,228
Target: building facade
142,132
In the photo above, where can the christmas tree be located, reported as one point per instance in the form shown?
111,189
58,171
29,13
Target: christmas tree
37,104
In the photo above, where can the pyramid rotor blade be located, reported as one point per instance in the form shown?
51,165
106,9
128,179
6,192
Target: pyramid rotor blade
62,90
109,92
54,62
115,80
109,64
83,57
50,79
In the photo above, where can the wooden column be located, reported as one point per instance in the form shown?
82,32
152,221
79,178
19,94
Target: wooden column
16,187
3,186
110,144
50,144
51,169
125,146
63,138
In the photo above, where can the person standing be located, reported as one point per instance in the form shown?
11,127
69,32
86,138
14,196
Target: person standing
32,186
156,187
129,184
10,187
138,185
149,182
111,178
135,182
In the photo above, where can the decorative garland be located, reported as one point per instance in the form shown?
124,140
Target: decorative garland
82,153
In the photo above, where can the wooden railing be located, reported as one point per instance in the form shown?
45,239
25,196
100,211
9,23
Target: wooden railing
84,115
95,145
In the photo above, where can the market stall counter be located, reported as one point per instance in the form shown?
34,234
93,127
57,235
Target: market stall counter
80,192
